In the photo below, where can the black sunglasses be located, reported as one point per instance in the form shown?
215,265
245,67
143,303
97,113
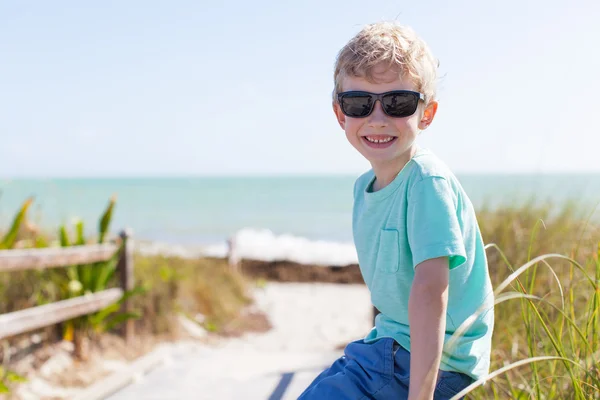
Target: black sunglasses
397,103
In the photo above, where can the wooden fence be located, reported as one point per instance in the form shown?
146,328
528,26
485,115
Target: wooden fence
18,322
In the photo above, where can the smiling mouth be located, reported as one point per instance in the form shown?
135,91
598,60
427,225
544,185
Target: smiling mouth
379,142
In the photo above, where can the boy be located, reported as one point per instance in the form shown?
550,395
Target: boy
419,246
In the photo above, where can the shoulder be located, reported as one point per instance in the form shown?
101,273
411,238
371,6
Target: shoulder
428,165
430,171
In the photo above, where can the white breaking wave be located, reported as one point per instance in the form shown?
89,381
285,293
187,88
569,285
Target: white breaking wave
264,245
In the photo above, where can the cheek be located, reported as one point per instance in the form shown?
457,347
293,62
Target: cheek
353,124
353,127
407,124
352,131
352,137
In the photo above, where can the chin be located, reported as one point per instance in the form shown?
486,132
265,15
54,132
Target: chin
379,158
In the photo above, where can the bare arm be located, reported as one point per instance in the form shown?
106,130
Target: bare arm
427,317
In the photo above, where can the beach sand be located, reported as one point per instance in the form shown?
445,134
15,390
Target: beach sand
311,323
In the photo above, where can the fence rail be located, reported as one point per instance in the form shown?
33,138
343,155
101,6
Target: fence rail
26,259
23,321
18,322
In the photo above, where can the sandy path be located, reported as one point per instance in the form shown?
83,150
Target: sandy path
309,321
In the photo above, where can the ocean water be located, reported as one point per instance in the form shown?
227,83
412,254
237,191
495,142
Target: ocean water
206,211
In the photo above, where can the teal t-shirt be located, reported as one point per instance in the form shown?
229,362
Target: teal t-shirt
424,213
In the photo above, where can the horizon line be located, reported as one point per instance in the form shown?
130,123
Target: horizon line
281,175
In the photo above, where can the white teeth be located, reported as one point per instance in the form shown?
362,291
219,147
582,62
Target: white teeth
379,141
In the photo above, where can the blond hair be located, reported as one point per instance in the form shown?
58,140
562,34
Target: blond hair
393,46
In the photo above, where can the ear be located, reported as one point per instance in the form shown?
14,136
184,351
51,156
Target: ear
428,115
339,115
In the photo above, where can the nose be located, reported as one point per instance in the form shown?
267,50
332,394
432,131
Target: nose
378,118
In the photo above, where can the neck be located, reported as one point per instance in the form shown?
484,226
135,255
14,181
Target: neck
387,172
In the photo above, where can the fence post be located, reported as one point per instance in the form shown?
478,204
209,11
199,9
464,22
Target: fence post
233,258
125,268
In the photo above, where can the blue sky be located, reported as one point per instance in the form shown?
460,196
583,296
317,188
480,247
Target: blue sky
143,88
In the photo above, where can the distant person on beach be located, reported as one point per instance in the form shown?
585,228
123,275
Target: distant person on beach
418,241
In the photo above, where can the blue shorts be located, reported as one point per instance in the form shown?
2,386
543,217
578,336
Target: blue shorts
378,370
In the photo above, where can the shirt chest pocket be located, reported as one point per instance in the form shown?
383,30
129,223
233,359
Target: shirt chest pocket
388,254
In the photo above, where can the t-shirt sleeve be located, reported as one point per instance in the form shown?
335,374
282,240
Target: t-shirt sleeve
432,224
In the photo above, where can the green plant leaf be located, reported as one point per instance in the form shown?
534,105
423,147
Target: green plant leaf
9,239
103,272
138,290
79,233
210,326
165,273
119,319
85,274
106,219
63,236
40,242
98,319
100,316
14,377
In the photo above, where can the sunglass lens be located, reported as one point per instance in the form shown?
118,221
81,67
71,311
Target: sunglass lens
400,104
357,105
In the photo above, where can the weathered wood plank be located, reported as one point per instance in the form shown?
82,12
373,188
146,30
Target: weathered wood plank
39,317
23,259
125,268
